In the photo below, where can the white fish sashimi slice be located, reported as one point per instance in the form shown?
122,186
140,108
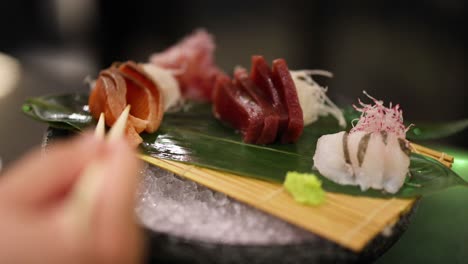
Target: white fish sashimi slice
396,165
371,161
330,161
376,160
166,82
352,143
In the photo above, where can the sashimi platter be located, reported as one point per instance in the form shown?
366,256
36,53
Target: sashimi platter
258,163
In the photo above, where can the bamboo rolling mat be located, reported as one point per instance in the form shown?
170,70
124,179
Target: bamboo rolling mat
349,221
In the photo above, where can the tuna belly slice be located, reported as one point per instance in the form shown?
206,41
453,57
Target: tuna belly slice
271,118
236,108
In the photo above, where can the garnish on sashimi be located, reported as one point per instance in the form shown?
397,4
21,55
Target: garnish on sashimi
374,154
313,98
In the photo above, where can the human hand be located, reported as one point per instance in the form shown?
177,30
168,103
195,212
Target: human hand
40,221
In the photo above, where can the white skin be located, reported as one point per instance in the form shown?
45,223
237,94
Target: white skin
35,223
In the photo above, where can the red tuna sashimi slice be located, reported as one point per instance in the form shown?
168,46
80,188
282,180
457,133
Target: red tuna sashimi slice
139,86
262,76
235,107
192,58
288,93
270,117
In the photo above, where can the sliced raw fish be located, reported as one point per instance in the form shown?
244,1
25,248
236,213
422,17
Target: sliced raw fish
262,76
330,159
116,88
396,163
143,95
366,151
238,109
270,117
193,59
287,91
108,96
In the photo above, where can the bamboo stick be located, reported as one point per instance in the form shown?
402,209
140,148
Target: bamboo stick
442,157
84,193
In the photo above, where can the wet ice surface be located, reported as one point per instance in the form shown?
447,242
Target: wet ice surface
168,203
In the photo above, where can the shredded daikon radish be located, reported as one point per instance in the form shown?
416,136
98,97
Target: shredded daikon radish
312,97
378,118
166,83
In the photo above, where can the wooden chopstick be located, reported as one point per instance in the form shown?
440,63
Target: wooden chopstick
100,130
118,129
442,157
86,189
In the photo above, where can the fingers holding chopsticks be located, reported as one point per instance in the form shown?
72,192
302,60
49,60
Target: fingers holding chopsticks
100,208
75,204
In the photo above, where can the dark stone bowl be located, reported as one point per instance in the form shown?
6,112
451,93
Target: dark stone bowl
167,248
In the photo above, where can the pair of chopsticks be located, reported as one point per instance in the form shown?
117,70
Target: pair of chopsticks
117,130
84,194
442,157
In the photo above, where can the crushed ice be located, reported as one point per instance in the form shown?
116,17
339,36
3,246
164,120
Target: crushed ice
170,204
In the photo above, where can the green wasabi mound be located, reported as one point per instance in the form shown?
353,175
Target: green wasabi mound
306,188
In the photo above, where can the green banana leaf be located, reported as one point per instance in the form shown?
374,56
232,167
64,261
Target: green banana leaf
192,135
427,131
62,111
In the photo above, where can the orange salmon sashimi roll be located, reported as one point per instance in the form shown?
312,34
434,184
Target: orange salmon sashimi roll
135,75
108,96
114,90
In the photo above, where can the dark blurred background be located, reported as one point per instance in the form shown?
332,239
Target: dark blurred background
410,52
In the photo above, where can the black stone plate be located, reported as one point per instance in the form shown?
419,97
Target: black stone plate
167,248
